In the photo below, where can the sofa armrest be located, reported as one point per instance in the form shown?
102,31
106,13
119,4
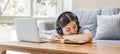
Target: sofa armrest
46,27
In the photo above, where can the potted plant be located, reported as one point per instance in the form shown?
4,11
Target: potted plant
5,31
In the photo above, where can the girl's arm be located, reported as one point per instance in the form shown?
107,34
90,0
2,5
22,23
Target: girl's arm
54,36
74,37
79,37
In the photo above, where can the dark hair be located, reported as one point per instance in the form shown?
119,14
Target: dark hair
64,19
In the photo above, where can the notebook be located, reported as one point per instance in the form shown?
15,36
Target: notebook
27,30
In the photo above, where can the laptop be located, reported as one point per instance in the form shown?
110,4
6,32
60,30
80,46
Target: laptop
27,30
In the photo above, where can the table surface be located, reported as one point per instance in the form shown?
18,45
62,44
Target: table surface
58,48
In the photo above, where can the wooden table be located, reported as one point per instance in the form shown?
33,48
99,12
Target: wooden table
57,48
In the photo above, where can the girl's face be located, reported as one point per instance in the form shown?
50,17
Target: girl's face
70,28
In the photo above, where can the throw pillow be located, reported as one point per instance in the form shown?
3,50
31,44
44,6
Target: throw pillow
108,27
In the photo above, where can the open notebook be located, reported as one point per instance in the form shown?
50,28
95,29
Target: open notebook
72,42
66,41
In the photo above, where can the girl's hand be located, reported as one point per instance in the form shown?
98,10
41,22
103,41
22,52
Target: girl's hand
56,36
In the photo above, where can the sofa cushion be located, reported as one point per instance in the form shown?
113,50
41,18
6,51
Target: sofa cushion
88,19
108,27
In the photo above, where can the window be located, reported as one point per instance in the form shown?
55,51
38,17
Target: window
15,7
46,8
33,8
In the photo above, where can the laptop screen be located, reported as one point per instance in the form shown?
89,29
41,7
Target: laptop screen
26,29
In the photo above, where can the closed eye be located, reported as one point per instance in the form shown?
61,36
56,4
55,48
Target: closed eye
67,29
74,26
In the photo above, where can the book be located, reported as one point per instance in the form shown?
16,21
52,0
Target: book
67,41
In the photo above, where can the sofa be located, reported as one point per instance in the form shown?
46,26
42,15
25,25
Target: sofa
104,24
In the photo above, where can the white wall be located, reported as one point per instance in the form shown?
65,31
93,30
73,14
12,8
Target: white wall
93,4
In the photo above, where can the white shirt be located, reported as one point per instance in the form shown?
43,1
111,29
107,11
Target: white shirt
84,31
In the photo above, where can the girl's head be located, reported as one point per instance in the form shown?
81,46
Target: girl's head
67,23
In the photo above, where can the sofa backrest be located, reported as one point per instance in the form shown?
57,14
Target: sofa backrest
110,11
88,17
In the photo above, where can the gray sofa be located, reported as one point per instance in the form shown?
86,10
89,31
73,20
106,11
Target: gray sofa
88,19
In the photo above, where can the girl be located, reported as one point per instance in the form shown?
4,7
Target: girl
67,27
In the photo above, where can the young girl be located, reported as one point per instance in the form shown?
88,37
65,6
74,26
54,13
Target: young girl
68,27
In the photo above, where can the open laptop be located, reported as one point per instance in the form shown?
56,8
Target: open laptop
27,30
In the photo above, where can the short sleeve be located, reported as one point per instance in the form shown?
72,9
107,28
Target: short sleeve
84,31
